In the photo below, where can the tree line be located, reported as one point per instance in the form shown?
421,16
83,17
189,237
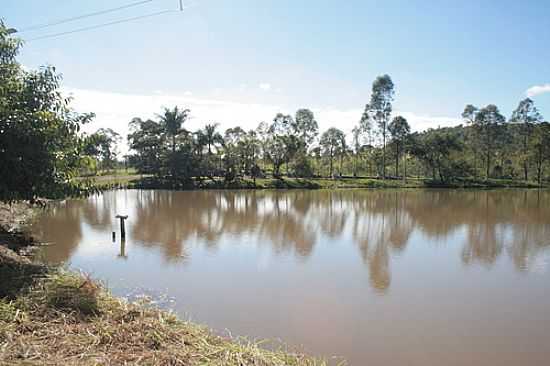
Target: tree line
487,145
44,152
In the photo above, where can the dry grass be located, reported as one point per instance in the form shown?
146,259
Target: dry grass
67,319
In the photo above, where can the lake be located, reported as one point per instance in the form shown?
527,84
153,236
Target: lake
379,277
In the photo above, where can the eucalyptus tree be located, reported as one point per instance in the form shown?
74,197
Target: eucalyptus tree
367,130
306,127
233,152
356,136
542,148
528,116
399,129
282,142
488,120
469,115
331,143
379,110
262,134
251,148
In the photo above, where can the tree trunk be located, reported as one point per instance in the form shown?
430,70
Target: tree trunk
396,160
475,164
384,151
174,170
488,168
525,152
540,167
405,166
331,176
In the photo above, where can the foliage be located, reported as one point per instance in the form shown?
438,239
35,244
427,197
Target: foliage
399,129
39,133
333,143
379,110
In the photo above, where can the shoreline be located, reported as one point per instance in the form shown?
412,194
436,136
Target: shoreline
285,183
51,316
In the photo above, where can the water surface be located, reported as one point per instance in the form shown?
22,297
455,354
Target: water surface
422,277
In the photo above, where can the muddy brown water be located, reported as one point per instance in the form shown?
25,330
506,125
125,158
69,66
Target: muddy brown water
420,277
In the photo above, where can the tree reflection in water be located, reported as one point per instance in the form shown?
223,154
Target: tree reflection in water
380,223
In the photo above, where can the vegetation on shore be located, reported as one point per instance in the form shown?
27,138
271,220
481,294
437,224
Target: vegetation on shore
150,182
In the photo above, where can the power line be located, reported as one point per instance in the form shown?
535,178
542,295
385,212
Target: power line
67,20
101,25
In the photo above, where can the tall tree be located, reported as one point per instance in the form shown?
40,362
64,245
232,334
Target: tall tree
528,116
212,136
306,127
283,143
399,129
379,109
542,148
172,120
469,115
356,135
488,120
331,142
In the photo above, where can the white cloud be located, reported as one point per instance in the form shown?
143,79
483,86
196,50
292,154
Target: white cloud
537,90
116,110
265,86
188,93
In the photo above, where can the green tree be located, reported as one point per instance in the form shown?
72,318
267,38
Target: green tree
474,135
399,129
306,127
40,144
172,120
103,146
331,142
541,148
527,115
282,143
438,150
212,136
146,139
488,120
379,110
356,135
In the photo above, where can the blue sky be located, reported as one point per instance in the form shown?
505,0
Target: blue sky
241,61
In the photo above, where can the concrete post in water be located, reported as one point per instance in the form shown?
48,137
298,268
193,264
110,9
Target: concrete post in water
122,253
122,228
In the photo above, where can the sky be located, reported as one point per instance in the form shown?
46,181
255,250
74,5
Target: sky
239,62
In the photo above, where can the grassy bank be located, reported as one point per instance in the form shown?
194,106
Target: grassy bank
67,319
148,182
49,316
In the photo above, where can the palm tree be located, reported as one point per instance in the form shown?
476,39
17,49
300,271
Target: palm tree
212,137
171,121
